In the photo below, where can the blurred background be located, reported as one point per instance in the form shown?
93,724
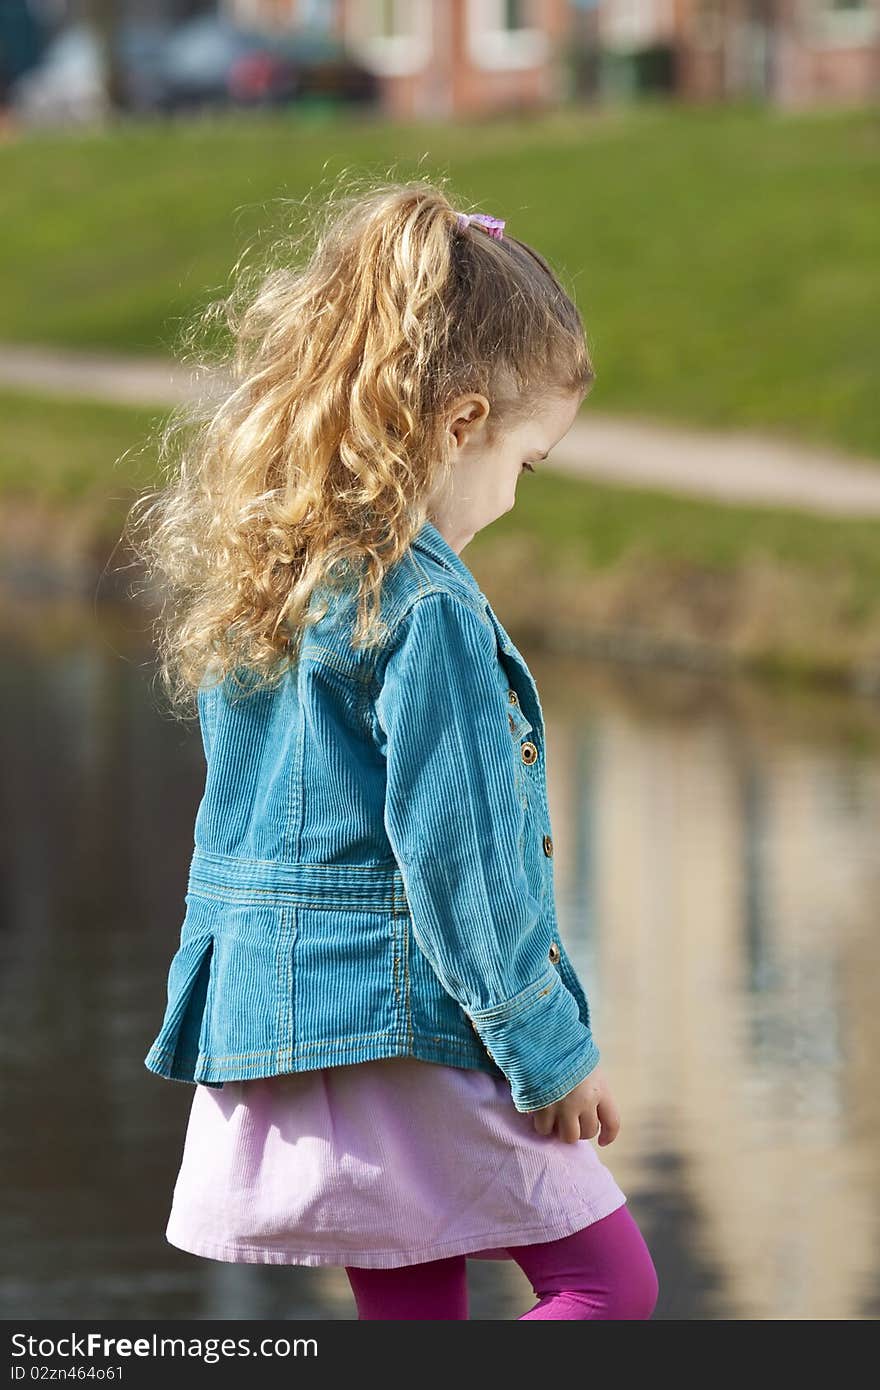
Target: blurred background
694,577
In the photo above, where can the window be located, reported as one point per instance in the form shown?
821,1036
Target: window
627,25
390,37
513,15
503,34
842,23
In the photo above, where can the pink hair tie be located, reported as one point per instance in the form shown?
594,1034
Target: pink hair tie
493,225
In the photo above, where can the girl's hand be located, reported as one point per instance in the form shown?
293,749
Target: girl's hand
579,1113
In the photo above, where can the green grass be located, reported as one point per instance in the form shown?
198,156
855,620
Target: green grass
725,259
594,554
576,521
72,453
586,529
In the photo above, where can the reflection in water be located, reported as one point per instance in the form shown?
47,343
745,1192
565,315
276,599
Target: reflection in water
717,866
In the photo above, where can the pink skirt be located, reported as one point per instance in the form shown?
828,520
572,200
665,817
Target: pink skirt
376,1164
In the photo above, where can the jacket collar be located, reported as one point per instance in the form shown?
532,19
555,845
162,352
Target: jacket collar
429,540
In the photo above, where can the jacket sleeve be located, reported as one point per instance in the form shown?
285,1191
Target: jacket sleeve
453,816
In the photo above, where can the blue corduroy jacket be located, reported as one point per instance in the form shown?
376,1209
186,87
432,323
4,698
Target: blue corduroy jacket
372,874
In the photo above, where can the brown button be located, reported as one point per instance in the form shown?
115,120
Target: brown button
553,953
529,753
513,697
548,846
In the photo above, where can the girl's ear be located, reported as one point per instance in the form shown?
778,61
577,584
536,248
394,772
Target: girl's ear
465,413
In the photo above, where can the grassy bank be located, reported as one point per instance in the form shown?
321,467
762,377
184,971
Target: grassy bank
724,259
578,565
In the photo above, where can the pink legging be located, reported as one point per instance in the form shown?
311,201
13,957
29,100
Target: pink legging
604,1270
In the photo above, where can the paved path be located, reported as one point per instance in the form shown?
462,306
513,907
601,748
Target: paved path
727,467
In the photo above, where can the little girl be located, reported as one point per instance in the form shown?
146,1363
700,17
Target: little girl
391,1051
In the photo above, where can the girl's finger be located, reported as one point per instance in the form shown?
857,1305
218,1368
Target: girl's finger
569,1128
543,1122
589,1124
610,1117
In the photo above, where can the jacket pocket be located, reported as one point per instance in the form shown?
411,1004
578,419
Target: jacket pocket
229,991
354,973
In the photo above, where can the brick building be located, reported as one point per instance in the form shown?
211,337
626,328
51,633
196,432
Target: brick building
442,58
791,52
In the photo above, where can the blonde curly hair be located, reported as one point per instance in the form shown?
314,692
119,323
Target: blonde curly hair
318,461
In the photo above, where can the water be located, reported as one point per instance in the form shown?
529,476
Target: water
717,862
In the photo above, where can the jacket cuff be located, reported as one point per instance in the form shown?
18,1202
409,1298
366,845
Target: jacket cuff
539,1041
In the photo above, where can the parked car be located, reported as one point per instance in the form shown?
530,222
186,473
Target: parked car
141,49
326,69
209,61
22,41
203,62
67,85
69,82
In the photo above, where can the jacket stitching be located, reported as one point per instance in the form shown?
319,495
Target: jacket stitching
387,648
246,898
386,866
296,799
407,993
404,1020
279,959
395,964
284,1001
210,1057
519,1003
333,660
